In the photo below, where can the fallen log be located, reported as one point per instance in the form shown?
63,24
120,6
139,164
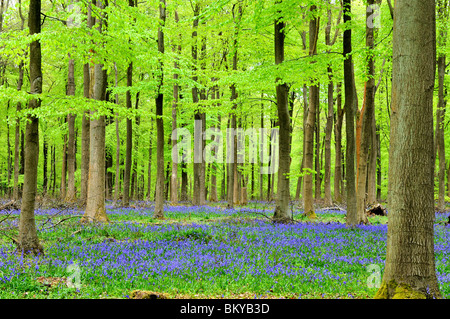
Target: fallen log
376,210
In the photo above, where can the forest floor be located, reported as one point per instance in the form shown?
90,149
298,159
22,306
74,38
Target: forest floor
207,252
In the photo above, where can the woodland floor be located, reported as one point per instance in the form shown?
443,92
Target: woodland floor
202,252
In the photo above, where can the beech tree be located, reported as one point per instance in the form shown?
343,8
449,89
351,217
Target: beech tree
282,212
95,202
159,199
28,241
410,259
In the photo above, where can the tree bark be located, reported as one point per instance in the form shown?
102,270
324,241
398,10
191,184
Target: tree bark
350,104
28,241
117,177
310,124
367,116
88,82
174,174
17,140
71,156
95,202
159,200
338,191
442,103
410,259
282,212
129,141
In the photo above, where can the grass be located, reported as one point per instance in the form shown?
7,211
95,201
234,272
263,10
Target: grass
203,252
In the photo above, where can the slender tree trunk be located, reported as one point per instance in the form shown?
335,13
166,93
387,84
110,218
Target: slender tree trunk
117,177
410,270
150,150
28,241
129,143
282,212
45,161
63,186
317,161
338,146
372,167
261,151
71,158
159,200
53,169
88,82
17,140
442,103
310,124
366,118
174,175
305,117
352,217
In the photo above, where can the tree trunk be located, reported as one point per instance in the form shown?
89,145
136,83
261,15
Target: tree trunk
71,157
440,113
88,82
350,103
17,141
28,241
174,174
117,177
159,200
366,119
129,143
410,259
95,202
282,212
150,150
63,186
45,161
310,124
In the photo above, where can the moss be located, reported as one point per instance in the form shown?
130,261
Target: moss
404,291
392,290
383,292
311,214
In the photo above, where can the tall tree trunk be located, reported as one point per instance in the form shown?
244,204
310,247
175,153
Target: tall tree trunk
95,202
28,241
174,174
440,117
63,186
366,118
129,142
53,168
328,132
45,161
350,103
282,212
410,270
305,117
330,115
442,103
17,141
117,177
372,167
261,175
338,191
310,124
71,158
88,82
199,173
150,150
159,200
